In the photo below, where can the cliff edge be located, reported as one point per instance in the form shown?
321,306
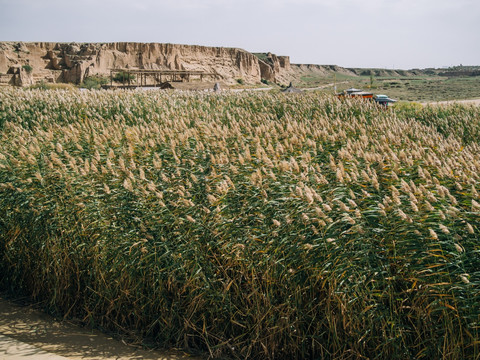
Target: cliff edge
23,63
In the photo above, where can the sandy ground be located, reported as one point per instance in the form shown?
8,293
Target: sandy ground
26,333
324,86
11,349
467,102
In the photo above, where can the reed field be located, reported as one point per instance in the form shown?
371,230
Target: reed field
244,225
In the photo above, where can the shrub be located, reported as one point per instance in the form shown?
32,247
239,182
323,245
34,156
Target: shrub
123,77
28,68
42,85
94,82
240,81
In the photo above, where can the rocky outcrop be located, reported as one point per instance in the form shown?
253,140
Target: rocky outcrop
17,76
274,68
266,71
23,77
73,62
323,70
62,62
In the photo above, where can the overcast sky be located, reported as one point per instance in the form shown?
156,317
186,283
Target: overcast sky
400,34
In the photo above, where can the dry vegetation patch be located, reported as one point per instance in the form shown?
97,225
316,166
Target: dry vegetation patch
246,225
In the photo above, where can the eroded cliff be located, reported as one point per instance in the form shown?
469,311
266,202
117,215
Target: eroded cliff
62,62
26,63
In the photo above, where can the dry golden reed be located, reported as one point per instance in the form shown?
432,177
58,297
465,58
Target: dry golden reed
246,225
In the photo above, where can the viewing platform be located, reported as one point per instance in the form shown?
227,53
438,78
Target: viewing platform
132,78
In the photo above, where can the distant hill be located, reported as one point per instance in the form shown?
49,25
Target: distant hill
27,63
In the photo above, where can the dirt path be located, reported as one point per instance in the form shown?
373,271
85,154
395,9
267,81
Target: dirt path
303,89
11,349
324,86
450,102
26,333
252,89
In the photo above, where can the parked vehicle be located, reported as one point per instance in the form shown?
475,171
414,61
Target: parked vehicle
359,93
384,100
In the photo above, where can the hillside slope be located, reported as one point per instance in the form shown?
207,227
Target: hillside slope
28,63
61,62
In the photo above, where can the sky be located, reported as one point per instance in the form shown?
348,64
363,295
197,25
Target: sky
400,34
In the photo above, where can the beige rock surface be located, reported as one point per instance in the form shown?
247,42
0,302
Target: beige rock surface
275,68
62,62
72,62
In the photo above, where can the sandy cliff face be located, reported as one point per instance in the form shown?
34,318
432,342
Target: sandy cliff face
274,68
61,62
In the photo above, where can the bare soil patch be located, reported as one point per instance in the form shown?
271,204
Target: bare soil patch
43,334
468,102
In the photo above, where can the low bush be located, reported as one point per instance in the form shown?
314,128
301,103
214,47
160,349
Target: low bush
123,77
42,85
94,82
28,68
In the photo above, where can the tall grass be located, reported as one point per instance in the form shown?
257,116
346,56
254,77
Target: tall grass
246,225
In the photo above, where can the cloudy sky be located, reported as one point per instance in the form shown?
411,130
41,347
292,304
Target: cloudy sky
400,34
